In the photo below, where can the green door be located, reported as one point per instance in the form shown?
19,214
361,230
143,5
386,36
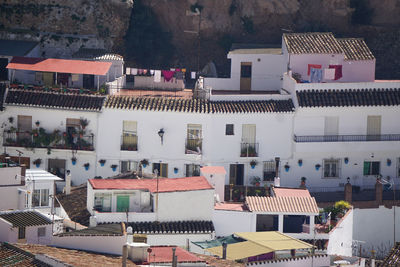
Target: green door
122,203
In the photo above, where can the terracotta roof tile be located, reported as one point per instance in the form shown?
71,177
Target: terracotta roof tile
349,97
54,100
13,256
74,204
164,184
73,257
195,227
312,43
282,204
290,192
355,49
393,258
25,218
213,169
163,254
197,105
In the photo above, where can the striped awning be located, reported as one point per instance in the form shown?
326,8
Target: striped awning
282,204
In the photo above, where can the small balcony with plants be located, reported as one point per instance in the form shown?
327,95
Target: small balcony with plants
129,142
194,146
56,139
249,150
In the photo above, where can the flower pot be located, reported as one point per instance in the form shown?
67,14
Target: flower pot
114,169
287,169
87,168
317,167
257,184
176,171
253,166
37,165
73,162
144,165
346,160
102,164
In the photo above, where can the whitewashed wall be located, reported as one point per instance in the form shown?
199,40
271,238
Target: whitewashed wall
9,196
341,237
267,70
31,234
7,232
101,244
375,227
238,222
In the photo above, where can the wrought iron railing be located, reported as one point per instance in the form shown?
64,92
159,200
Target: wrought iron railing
249,149
129,142
43,139
194,146
345,138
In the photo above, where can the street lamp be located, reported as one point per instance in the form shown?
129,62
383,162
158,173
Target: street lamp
161,134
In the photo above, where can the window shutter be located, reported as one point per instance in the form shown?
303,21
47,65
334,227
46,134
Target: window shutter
366,167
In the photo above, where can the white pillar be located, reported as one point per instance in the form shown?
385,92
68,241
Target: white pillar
98,82
280,223
312,224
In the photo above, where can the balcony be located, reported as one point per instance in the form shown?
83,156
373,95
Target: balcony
129,142
249,150
345,138
194,146
39,138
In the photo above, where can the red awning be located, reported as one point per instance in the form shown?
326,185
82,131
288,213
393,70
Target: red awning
59,65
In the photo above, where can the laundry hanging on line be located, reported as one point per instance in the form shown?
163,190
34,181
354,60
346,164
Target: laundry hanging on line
168,75
338,71
315,66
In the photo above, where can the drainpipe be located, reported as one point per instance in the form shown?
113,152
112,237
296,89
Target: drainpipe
224,248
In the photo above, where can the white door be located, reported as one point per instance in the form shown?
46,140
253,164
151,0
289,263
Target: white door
374,125
249,133
331,125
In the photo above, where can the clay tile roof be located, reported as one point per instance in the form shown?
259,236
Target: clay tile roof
74,257
172,227
163,254
25,218
290,192
282,204
355,49
74,204
349,97
60,100
164,184
13,256
393,258
312,43
197,105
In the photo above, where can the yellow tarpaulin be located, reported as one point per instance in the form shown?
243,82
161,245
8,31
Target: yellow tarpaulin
258,243
240,250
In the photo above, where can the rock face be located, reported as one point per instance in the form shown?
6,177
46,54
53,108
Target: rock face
65,26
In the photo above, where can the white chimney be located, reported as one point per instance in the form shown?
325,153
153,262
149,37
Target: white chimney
68,183
129,236
92,221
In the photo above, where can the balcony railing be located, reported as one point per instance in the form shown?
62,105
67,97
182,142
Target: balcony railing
194,146
42,139
249,149
129,142
346,138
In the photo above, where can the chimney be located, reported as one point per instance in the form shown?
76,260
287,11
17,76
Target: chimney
129,235
277,180
68,183
348,191
92,221
23,173
224,248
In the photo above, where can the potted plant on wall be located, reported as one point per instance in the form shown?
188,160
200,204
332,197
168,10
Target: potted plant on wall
144,162
37,162
37,123
176,170
300,162
255,181
253,164
102,162
11,119
346,160
114,167
287,167
86,165
84,122
73,160
317,166
303,182
389,162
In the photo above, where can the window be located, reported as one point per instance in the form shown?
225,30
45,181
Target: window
129,166
161,169
21,232
229,129
40,198
331,168
41,231
372,167
192,170
269,170
194,139
129,136
102,202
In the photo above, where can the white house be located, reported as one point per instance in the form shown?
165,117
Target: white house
27,227
141,200
12,180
